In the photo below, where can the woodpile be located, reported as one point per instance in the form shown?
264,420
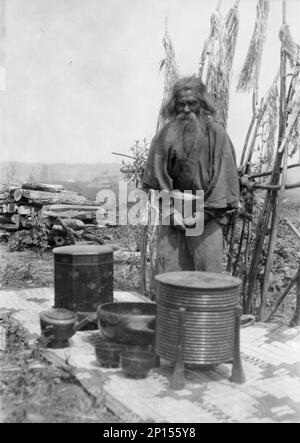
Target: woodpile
64,216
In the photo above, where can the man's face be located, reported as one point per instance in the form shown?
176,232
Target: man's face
187,104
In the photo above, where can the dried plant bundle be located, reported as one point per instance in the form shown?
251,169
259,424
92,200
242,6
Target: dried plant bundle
267,130
294,110
216,69
294,138
250,71
232,23
271,124
169,65
292,51
291,48
219,52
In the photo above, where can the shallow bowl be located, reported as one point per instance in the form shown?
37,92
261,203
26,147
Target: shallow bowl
137,364
108,354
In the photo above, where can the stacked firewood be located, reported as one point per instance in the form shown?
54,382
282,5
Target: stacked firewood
64,216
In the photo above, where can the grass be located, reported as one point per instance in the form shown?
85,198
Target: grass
33,391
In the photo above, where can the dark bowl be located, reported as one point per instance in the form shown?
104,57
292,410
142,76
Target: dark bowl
128,322
137,364
108,354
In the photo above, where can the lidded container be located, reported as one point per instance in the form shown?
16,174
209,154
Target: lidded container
58,326
83,277
210,300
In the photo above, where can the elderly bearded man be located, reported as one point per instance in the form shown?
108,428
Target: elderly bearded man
192,152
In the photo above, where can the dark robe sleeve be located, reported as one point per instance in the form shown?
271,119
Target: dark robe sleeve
149,180
224,186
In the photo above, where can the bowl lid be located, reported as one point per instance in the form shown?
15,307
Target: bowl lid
60,314
128,308
198,280
83,250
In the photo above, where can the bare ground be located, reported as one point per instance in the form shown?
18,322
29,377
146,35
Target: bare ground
32,390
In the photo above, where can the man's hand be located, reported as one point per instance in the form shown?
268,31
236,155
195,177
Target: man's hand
195,219
175,219
190,222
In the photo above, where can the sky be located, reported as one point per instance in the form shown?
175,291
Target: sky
82,77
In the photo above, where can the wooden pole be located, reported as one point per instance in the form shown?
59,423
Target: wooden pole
283,149
252,145
296,318
293,228
271,196
42,187
266,173
254,117
282,297
261,229
237,374
49,198
231,243
249,223
247,259
277,204
124,155
178,379
240,249
143,247
269,263
276,187
284,12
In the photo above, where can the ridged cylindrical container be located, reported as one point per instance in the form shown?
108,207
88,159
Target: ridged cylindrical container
210,300
83,277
